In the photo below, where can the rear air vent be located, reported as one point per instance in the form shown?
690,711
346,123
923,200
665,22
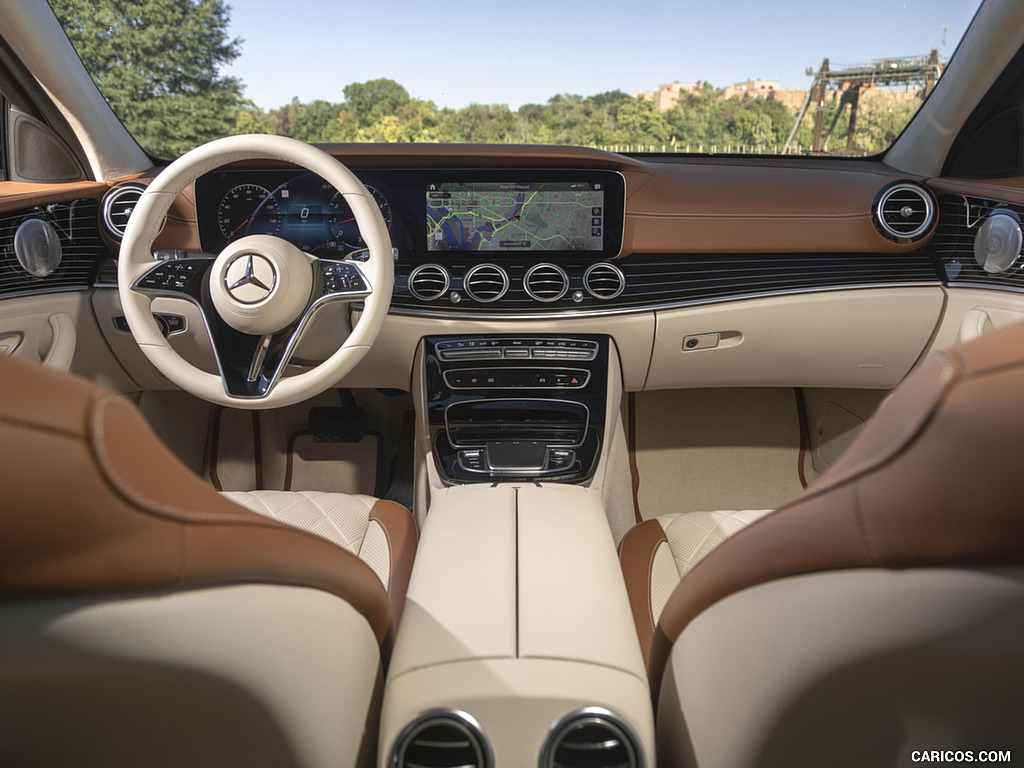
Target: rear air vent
428,282
604,280
592,738
118,206
904,212
444,740
486,283
546,282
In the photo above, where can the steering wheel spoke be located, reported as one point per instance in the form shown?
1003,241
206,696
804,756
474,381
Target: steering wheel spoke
180,278
255,363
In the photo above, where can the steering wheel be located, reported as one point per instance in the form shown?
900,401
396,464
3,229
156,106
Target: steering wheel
260,293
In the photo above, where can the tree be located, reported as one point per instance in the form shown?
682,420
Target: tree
157,64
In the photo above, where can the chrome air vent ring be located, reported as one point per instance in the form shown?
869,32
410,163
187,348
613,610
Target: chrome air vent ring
546,282
904,212
118,206
604,280
486,283
429,282
589,738
442,738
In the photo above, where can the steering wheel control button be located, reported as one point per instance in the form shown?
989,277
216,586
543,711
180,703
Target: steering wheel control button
343,278
174,276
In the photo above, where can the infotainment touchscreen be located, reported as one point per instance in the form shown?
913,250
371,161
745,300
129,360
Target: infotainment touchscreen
510,216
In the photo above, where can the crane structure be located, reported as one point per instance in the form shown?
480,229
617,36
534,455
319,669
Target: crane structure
845,86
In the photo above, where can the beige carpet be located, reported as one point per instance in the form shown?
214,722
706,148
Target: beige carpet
272,450
711,449
345,467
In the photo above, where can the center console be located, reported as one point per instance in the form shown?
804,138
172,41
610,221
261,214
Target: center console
511,407
517,645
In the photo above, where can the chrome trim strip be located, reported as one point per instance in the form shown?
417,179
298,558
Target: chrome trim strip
585,313
553,371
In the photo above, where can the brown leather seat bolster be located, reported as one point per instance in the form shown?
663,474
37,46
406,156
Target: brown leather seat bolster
932,481
636,556
121,513
403,536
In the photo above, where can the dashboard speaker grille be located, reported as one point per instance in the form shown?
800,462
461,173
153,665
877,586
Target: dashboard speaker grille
449,740
592,738
904,212
486,283
118,206
604,280
428,282
546,282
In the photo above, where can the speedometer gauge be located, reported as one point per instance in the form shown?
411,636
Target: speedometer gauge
341,223
248,209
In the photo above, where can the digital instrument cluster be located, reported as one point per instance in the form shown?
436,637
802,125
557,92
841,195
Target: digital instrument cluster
299,207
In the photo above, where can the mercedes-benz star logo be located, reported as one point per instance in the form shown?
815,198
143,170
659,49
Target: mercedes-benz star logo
250,278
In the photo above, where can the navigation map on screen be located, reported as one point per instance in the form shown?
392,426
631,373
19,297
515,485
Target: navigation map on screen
515,216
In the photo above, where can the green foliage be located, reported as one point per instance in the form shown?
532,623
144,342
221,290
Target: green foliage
156,62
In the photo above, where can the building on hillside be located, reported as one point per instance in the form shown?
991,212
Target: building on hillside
667,95
760,88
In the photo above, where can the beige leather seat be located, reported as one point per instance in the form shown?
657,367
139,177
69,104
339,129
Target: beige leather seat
146,619
878,614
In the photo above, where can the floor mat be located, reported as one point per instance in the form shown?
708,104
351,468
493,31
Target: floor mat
235,460
343,467
711,449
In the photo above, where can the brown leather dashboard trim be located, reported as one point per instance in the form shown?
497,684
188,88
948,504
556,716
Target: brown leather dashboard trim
16,194
1009,190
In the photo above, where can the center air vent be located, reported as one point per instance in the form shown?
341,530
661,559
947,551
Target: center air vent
591,738
546,282
604,280
447,739
118,206
428,282
904,212
486,283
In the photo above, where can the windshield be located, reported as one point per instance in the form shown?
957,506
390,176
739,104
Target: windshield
793,78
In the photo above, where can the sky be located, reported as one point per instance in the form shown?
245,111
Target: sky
454,52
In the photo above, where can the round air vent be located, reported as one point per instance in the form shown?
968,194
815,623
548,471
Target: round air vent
904,212
546,282
486,283
442,739
428,282
118,206
591,738
604,280
998,242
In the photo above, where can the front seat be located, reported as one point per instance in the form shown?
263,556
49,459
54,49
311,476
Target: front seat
146,620
878,618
